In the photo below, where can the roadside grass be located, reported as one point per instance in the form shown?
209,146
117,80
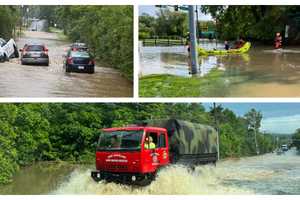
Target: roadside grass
59,32
211,85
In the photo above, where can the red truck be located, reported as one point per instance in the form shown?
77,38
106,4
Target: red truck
134,154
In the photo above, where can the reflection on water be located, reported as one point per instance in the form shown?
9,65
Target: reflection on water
266,174
254,74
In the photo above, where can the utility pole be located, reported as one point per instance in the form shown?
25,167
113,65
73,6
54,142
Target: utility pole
193,40
217,129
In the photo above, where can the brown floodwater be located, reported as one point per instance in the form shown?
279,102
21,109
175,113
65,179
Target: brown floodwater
262,72
18,80
265,174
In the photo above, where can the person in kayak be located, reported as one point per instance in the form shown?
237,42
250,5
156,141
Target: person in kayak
278,41
240,43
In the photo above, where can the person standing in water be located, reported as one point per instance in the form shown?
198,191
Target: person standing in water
226,45
278,41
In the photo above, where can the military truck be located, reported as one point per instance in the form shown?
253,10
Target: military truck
135,153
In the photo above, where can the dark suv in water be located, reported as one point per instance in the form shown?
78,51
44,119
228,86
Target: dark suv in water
34,54
79,61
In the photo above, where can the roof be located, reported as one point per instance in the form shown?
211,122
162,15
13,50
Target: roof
132,128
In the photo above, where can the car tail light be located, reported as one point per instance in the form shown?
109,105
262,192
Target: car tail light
69,60
92,62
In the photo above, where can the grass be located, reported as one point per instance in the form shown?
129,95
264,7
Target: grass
211,85
59,32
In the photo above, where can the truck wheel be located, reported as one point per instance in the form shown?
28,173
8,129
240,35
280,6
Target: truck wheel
2,59
147,180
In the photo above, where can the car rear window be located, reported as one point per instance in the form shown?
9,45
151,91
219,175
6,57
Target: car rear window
80,54
35,48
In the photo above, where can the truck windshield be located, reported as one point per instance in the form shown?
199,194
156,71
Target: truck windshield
120,140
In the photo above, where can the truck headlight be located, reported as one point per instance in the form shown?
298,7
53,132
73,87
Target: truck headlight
133,178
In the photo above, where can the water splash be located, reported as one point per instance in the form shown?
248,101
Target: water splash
171,180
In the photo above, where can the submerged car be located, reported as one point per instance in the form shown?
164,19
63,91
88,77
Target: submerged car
34,54
79,61
8,50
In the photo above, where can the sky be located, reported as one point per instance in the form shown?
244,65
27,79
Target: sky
277,117
151,10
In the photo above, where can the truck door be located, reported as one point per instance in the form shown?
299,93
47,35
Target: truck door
150,153
162,149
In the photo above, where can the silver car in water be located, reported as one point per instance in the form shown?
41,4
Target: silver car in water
34,54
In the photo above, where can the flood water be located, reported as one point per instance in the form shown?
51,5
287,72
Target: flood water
262,72
18,80
266,174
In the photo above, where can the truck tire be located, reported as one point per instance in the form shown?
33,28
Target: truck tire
147,180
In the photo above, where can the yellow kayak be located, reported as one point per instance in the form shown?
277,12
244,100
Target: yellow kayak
243,49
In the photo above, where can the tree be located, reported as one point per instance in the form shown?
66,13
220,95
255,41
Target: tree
254,118
9,19
256,22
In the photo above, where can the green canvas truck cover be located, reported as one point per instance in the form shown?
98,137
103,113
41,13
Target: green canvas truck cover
188,138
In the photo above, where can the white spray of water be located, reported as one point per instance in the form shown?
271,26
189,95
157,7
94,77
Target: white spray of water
266,174
171,180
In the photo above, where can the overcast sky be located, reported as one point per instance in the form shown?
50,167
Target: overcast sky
277,117
151,10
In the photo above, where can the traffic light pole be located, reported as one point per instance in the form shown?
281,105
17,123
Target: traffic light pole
193,40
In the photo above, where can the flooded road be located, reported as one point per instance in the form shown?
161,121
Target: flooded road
267,174
18,80
262,72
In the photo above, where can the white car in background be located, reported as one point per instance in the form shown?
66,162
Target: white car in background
8,50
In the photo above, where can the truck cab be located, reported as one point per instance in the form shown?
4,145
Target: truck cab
131,154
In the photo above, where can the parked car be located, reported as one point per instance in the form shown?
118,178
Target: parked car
8,50
34,54
79,61
77,46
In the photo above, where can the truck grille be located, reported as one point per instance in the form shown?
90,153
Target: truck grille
116,167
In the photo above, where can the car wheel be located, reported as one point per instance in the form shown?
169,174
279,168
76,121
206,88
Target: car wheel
92,70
